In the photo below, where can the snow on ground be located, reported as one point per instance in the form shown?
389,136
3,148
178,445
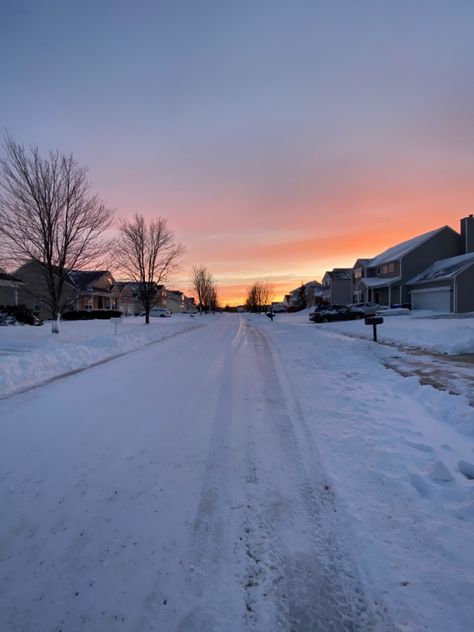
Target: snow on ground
423,330
399,456
32,355
247,476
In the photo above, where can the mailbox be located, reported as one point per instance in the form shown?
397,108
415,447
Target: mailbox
373,320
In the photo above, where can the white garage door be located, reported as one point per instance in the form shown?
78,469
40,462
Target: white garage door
437,300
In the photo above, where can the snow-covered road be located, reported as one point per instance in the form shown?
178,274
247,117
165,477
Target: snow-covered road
176,488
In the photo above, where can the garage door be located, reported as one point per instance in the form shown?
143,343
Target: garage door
437,300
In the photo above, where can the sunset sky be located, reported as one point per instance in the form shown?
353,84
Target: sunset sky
280,138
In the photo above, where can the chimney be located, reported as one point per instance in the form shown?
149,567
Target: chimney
467,233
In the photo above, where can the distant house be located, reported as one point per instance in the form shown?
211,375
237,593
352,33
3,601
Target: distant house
311,291
189,304
10,288
337,287
94,288
360,293
127,297
174,301
389,273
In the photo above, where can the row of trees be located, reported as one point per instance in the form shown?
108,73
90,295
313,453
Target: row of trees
259,296
205,288
49,215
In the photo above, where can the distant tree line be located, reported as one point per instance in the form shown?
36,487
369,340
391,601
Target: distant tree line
259,296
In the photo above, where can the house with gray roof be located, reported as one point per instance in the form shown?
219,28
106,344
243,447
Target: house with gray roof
388,273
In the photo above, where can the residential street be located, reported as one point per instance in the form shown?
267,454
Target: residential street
175,488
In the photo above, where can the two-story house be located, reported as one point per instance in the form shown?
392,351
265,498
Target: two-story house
447,285
388,273
337,286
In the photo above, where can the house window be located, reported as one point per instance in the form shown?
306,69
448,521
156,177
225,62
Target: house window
391,267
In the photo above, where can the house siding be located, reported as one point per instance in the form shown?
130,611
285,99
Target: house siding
465,290
34,294
341,291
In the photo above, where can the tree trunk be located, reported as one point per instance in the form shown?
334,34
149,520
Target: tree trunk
147,317
55,323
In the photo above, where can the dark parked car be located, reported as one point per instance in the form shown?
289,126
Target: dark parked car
329,313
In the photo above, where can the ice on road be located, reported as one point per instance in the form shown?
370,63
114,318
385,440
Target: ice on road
176,488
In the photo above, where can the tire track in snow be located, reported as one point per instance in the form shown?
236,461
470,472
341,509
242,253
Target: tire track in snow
317,588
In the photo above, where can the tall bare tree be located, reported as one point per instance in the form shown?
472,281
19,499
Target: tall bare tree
205,289
49,215
148,253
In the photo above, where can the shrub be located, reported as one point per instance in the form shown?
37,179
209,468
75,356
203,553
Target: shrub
21,313
91,314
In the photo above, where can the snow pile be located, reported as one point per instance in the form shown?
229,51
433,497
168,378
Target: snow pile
32,355
401,458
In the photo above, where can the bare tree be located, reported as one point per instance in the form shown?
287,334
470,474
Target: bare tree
49,215
148,253
205,289
259,296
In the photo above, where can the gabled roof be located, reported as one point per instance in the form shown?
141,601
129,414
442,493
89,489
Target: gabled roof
444,269
339,273
361,261
400,250
9,277
84,279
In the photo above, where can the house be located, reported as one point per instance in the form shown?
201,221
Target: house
10,287
388,273
127,297
336,287
94,289
359,272
294,298
446,286
174,301
82,290
189,304
34,294
125,294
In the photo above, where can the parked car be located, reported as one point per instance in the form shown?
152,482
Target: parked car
159,312
369,309
329,313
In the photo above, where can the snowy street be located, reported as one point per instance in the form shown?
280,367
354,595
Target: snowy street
240,475
172,489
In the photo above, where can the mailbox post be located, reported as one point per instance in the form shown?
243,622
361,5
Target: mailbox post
116,321
374,321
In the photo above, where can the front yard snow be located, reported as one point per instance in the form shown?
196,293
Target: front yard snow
32,355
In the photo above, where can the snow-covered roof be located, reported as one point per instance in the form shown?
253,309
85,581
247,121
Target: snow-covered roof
400,250
444,269
373,282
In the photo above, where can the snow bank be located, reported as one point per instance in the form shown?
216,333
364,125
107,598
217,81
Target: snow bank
446,335
32,355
